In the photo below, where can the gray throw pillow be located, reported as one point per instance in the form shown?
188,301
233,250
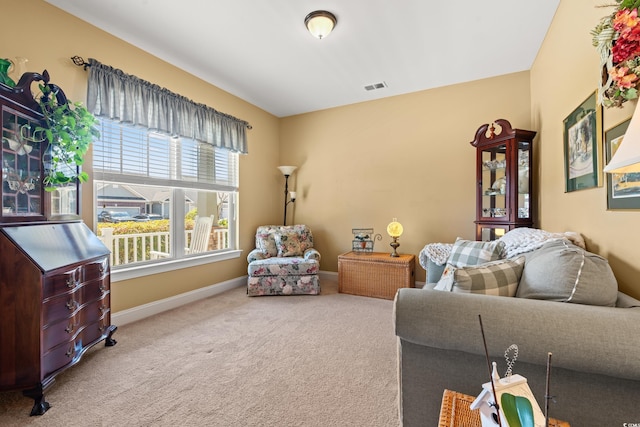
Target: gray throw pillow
468,252
562,271
498,278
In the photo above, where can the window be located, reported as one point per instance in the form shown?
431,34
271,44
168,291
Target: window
150,188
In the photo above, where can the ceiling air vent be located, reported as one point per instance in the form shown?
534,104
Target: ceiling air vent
375,86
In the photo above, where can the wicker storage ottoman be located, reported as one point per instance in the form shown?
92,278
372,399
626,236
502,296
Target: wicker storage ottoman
375,274
455,411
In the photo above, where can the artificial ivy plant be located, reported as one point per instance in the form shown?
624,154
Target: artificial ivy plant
69,129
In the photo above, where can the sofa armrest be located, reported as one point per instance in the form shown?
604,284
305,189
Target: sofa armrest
312,253
627,301
255,255
600,340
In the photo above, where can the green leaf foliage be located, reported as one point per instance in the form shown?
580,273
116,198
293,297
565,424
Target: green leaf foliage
517,410
630,4
70,130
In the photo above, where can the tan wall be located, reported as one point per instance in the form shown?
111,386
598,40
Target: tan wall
407,157
51,37
362,165
565,73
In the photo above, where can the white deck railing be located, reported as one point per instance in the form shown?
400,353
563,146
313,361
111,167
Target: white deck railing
136,247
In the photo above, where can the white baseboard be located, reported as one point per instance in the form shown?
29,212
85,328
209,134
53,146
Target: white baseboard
143,311
331,274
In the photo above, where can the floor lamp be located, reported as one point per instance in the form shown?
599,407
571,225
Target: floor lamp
287,171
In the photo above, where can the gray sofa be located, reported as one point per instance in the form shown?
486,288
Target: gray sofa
595,375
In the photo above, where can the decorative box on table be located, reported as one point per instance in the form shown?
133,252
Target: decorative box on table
375,274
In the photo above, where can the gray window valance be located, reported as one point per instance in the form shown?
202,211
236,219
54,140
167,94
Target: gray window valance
125,98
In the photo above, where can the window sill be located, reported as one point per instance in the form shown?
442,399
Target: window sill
118,274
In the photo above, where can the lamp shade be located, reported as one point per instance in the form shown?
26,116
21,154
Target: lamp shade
320,23
626,159
394,229
287,170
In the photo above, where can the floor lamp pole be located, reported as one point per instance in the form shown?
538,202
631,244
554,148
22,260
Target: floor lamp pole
286,193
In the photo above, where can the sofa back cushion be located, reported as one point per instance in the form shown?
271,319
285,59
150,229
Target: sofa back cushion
562,271
299,234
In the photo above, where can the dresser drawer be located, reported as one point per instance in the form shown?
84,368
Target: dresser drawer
76,277
61,283
97,269
69,351
92,300
68,329
60,356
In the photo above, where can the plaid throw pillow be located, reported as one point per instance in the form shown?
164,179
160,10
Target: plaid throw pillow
498,278
466,252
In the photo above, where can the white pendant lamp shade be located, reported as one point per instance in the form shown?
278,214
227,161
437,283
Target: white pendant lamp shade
626,159
320,23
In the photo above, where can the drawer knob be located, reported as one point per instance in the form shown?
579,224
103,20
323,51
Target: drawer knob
72,304
74,278
69,328
69,352
103,308
103,266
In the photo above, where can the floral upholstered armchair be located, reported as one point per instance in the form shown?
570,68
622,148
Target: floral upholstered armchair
284,262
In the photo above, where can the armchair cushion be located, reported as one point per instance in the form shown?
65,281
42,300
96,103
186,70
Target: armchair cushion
288,244
285,266
266,237
266,243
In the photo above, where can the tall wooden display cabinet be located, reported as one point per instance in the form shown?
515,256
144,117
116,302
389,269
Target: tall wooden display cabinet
505,197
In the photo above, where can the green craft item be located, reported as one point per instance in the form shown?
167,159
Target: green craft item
5,64
517,410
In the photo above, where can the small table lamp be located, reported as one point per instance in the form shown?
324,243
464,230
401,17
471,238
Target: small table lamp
394,229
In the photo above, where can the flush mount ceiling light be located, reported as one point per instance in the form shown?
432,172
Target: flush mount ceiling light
320,23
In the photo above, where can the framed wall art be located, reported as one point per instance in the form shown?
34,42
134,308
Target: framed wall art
623,189
582,146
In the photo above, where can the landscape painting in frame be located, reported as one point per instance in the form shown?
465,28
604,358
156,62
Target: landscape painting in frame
623,189
582,142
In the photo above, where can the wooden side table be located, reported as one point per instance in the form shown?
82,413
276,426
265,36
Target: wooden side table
375,274
455,412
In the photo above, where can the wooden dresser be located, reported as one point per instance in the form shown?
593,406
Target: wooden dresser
54,303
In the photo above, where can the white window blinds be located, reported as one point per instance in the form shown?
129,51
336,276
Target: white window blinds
138,156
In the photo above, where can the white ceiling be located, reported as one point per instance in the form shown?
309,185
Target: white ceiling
260,50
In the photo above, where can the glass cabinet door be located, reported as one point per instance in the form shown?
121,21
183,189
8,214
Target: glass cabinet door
494,182
523,179
21,167
490,232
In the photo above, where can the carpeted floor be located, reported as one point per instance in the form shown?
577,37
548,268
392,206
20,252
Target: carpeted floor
233,360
